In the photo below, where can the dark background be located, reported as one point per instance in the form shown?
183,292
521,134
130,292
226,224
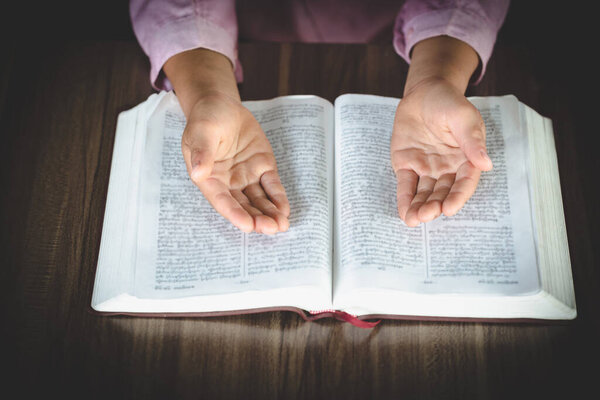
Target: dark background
561,35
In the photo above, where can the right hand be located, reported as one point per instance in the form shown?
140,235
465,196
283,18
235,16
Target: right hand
226,152
231,161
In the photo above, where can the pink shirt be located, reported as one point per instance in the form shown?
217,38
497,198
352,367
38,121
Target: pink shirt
165,28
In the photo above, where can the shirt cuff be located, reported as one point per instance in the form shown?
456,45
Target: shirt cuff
188,33
473,28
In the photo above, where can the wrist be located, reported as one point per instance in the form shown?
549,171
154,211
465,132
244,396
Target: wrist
442,59
200,73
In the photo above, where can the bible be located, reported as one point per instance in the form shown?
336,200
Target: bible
504,257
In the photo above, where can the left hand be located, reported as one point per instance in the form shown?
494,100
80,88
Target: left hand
437,151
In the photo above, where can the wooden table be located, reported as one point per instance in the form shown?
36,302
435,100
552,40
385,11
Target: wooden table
59,106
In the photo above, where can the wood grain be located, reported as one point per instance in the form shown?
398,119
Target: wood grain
59,109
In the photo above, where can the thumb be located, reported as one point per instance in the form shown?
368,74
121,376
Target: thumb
202,163
199,149
471,139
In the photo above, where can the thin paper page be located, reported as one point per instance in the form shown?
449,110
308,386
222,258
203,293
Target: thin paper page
488,248
115,270
186,248
300,130
371,238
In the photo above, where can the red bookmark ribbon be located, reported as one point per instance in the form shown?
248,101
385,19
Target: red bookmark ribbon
342,316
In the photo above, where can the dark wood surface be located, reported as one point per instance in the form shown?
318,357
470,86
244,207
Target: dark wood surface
59,102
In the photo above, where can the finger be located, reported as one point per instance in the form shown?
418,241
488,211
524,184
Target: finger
249,168
199,145
245,203
275,191
424,189
219,196
432,208
258,198
405,193
262,223
463,188
469,131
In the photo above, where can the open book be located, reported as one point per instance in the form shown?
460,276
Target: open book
504,256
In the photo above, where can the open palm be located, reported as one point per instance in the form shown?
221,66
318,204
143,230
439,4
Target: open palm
231,161
437,152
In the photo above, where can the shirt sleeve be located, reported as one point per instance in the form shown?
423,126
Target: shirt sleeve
164,28
474,22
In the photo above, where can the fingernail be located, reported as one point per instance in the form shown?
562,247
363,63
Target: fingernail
487,158
196,173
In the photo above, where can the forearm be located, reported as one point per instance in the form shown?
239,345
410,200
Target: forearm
200,72
441,57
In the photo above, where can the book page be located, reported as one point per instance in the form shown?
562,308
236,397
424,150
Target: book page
553,255
185,248
300,130
115,270
369,234
487,248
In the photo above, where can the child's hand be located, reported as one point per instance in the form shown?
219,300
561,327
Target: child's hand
226,152
438,143
437,150
231,161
